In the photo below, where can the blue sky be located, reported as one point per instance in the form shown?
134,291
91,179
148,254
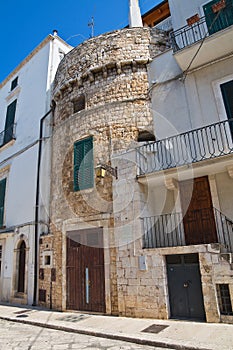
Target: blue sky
24,24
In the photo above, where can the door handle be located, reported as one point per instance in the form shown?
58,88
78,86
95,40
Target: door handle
187,284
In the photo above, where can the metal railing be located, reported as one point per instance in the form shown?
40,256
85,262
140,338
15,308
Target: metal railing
7,135
169,230
188,35
224,227
193,146
191,34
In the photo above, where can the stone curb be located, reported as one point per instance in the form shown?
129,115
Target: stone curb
155,343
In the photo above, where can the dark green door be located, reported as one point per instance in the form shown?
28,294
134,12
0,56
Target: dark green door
221,19
184,285
227,94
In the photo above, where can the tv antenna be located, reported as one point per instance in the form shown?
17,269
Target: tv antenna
92,25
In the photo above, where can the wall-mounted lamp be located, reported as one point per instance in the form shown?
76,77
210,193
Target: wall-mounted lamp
102,169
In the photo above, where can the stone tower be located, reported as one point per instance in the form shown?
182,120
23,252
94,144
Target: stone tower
101,107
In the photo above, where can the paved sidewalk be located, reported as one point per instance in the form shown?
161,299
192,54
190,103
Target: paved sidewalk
170,334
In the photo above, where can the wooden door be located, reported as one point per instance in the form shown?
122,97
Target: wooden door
197,207
85,271
184,286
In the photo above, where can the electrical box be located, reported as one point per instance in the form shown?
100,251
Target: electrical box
142,263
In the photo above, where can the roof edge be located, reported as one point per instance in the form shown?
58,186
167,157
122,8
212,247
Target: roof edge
49,38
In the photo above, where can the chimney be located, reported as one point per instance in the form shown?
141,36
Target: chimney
55,32
135,17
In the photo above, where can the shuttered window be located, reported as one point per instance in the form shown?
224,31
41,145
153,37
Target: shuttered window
83,164
218,20
9,124
2,200
14,83
227,94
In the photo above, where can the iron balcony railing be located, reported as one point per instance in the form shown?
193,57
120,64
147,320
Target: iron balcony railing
7,135
193,146
169,230
206,26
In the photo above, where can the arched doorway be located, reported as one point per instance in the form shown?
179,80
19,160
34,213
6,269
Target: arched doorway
21,270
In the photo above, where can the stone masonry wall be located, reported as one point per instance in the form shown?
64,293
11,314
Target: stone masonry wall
110,73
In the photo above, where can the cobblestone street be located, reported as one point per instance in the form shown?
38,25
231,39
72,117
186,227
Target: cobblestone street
17,336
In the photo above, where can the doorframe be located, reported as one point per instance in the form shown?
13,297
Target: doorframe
71,225
187,252
218,96
15,292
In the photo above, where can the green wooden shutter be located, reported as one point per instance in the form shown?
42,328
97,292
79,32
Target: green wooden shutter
9,124
2,200
227,94
224,19
83,165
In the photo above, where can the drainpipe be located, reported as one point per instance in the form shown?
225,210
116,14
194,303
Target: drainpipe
37,209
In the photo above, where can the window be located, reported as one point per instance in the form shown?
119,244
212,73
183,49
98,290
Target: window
227,94
145,136
14,83
0,260
2,200
79,104
218,15
9,123
224,299
83,164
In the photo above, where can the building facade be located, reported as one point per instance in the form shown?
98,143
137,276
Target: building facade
141,198
101,107
24,146
187,173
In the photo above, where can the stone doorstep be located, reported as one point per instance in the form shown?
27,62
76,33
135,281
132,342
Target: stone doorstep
130,339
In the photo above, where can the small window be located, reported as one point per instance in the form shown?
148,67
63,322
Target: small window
83,164
0,260
47,260
224,299
14,83
79,104
145,136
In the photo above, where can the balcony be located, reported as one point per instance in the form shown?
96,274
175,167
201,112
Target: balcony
211,34
209,142
173,230
7,135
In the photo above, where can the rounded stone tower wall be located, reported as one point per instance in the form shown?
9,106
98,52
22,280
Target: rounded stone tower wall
100,92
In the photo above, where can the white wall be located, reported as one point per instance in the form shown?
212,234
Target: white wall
33,101
183,9
184,104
